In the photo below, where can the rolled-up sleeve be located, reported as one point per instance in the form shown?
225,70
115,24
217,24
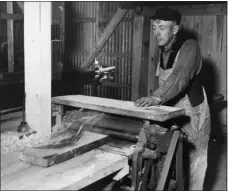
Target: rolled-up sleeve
185,69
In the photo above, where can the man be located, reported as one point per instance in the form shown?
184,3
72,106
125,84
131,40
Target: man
178,64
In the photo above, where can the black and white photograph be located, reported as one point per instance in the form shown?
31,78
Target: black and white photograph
113,95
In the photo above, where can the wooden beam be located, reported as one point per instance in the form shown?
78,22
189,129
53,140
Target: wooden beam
190,10
152,81
62,31
37,43
110,28
107,54
137,56
101,20
168,160
10,40
119,107
145,58
115,85
21,6
13,16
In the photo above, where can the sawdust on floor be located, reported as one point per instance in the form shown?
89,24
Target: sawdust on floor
13,143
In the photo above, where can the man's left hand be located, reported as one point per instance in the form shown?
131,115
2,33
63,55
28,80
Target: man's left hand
148,101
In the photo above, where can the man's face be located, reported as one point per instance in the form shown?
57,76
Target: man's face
163,31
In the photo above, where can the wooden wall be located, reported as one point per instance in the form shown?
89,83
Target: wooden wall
86,24
16,55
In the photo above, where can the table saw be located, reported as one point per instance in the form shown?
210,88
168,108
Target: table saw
95,137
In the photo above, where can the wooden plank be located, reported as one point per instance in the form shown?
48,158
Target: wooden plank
37,43
12,16
189,10
11,110
219,19
97,19
143,86
62,34
114,54
119,107
56,150
179,166
21,6
137,56
106,54
152,81
115,85
76,173
168,160
83,20
105,36
10,37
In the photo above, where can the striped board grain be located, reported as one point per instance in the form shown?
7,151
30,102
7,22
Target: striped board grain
57,151
120,107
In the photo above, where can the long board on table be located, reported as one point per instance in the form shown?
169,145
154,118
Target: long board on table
62,148
120,107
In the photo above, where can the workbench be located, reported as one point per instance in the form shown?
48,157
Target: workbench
85,169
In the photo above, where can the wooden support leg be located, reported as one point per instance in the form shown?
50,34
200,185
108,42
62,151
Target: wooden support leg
168,160
179,166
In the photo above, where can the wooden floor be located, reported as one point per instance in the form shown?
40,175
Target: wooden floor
216,177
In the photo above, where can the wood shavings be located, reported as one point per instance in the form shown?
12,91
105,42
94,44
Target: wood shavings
129,150
107,156
13,143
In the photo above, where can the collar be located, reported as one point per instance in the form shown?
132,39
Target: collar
176,44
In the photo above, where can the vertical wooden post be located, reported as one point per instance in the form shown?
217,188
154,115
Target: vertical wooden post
10,41
37,44
152,83
62,32
137,55
143,86
179,166
95,86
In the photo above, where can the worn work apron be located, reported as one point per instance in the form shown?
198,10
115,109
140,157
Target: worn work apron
197,130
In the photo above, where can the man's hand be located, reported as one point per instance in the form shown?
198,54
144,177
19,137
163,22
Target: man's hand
148,101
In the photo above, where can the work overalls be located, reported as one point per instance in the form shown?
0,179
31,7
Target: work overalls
197,129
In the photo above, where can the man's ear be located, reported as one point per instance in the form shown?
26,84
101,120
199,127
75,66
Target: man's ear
176,29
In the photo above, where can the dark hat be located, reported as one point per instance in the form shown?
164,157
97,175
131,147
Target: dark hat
167,14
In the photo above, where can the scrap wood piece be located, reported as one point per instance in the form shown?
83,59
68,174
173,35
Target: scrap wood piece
120,107
48,154
115,21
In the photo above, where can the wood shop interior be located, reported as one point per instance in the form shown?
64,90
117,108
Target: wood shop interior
70,73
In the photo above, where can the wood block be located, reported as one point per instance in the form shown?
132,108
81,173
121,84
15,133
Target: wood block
120,107
57,150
